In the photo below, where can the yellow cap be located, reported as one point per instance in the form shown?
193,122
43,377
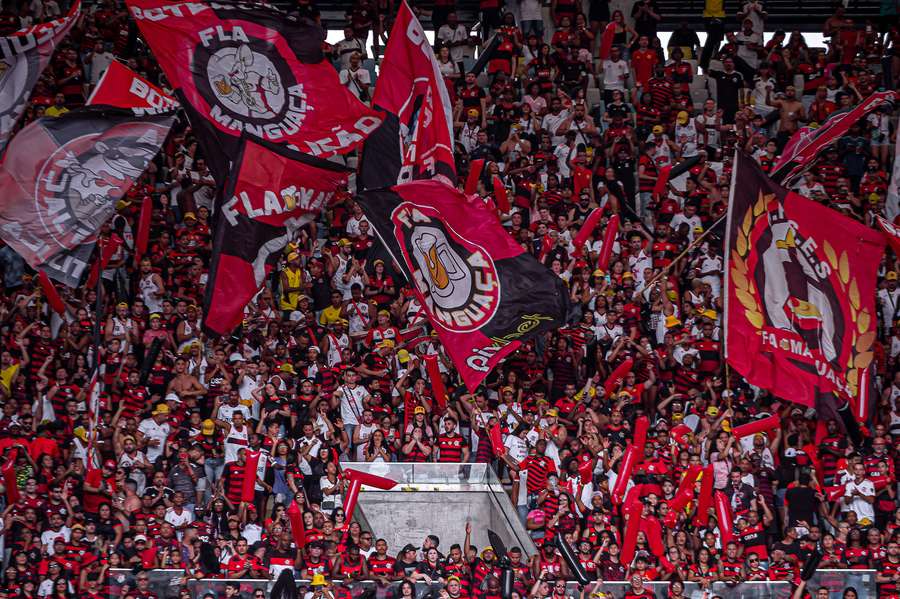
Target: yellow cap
672,321
160,409
657,129
682,117
188,215
208,427
344,242
891,276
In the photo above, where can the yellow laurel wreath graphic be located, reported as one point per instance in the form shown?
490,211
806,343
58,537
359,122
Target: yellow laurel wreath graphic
862,338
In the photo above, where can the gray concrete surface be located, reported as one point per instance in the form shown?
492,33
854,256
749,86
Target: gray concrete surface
402,517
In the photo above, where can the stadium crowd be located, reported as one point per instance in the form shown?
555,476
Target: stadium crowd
328,363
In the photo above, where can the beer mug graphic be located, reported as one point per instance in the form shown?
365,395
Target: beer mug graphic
441,268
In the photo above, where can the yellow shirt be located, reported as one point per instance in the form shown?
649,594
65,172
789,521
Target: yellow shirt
55,111
330,315
714,9
289,300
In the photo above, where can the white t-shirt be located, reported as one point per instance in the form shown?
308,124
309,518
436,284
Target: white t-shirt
563,153
551,124
352,403
353,225
362,79
345,49
749,56
692,222
152,430
615,74
448,34
185,517
862,508
49,536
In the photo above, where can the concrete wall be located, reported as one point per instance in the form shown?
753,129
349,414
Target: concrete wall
408,517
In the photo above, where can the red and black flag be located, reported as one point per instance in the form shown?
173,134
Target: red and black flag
483,294
807,143
800,291
121,87
272,193
62,177
416,139
23,57
241,68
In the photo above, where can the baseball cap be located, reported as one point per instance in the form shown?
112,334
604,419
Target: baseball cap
657,129
682,117
891,276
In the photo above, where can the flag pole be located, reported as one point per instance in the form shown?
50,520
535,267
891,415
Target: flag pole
93,410
690,246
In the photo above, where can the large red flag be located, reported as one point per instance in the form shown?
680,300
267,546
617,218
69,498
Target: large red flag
806,144
483,294
61,178
250,70
272,193
121,87
24,56
416,139
800,281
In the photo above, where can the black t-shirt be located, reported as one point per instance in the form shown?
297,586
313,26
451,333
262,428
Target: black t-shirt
406,567
789,548
802,504
728,85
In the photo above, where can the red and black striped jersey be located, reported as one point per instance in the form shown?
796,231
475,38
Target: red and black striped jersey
451,447
381,566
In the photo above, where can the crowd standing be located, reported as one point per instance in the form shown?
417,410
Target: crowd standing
328,365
